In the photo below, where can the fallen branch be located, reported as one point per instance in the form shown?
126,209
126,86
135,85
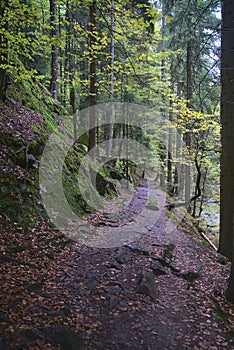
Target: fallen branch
208,240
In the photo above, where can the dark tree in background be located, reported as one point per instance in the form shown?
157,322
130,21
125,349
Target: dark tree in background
92,73
54,50
3,49
227,158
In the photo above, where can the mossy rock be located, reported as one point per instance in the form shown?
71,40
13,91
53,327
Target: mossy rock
151,204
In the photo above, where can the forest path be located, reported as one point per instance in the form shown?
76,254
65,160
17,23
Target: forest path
183,315
163,291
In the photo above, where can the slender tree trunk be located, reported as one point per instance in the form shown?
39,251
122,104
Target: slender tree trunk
170,150
66,64
197,187
54,50
187,138
61,67
163,78
84,68
202,191
3,51
179,180
112,78
92,86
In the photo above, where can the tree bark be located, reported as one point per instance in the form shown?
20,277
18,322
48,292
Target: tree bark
169,152
112,78
54,50
226,245
163,153
3,51
92,86
187,138
227,120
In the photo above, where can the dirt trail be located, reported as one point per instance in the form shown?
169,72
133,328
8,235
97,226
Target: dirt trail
183,315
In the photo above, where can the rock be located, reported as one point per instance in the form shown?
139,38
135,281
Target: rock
157,268
121,255
167,252
67,338
113,290
137,248
113,303
165,263
151,204
118,303
146,284
115,265
75,288
93,280
151,207
190,276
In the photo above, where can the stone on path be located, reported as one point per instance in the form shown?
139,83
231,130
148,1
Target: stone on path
146,284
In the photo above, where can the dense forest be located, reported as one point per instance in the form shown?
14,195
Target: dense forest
116,177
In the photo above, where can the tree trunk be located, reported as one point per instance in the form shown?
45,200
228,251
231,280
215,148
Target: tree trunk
187,134
92,86
226,246
169,152
3,51
112,78
163,110
54,50
179,178
84,66
227,134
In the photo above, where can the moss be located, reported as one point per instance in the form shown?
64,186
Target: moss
19,190
152,203
31,94
172,217
18,200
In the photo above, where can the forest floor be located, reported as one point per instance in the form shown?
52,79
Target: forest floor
163,291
